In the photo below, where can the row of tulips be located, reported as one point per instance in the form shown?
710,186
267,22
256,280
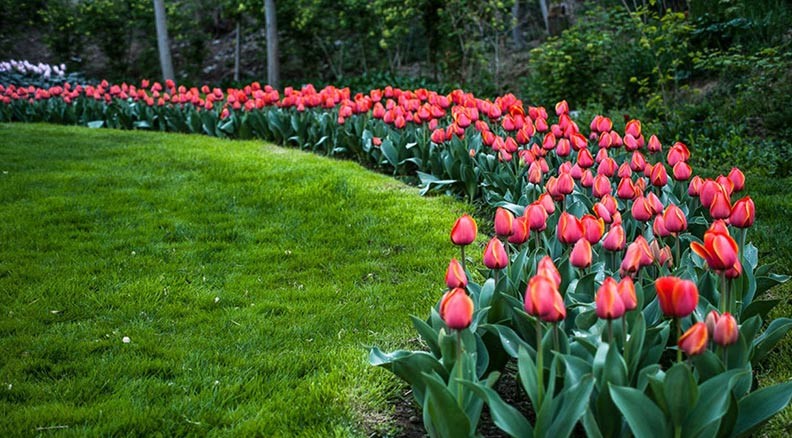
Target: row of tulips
611,262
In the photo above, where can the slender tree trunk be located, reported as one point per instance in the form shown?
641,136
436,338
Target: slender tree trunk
273,65
163,43
517,28
237,49
545,13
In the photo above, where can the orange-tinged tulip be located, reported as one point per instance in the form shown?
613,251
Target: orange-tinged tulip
585,159
659,176
495,255
711,321
548,269
694,340
642,209
678,298
719,248
674,219
743,213
737,178
456,309
721,206
637,162
659,228
503,222
615,240
661,255
633,128
543,300
537,217
602,212
694,189
593,228
601,187
608,301
520,231
626,289
455,275
637,255
726,331
708,190
626,189
654,144
566,184
569,229
682,171
580,257
587,179
464,231
547,202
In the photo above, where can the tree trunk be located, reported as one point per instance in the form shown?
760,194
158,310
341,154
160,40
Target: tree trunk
238,42
163,43
273,65
517,28
545,13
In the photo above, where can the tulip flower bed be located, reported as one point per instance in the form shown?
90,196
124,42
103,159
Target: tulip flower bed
622,284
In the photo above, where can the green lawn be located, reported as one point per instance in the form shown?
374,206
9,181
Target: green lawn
248,278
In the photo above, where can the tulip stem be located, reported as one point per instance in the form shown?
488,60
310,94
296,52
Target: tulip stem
725,359
679,335
464,265
539,366
460,376
624,330
610,332
556,342
678,261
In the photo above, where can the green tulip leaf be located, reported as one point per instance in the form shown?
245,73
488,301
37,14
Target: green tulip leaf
712,405
442,416
681,392
526,369
408,365
645,419
759,406
572,404
428,334
763,344
504,415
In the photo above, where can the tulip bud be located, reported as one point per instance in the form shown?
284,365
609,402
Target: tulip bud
711,321
464,231
654,144
637,162
495,255
569,229
626,289
587,179
720,207
503,222
682,171
626,189
678,298
580,257
743,213
543,300
593,228
659,227
726,331
455,275
602,212
659,176
537,217
548,269
637,255
737,178
585,159
708,190
547,202
456,309
694,188
608,301
642,209
601,186
615,240
719,248
694,340
674,219
520,231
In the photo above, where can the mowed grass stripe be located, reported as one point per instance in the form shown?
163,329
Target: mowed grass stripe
249,279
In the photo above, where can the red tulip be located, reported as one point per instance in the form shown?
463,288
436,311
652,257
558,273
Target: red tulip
464,231
637,256
678,298
615,240
637,162
455,275
711,321
626,189
659,175
602,212
682,171
642,209
580,257
593,228
456,309
495,255
626,289
677,154
719,248
537,217
743,213
674,219
548,269
601,186
503,222
569,229
694,340
543,300
608,301
547,202
520,231
654,144
585,159
633,128
726,331
709,188
737,178
720,208
694,189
